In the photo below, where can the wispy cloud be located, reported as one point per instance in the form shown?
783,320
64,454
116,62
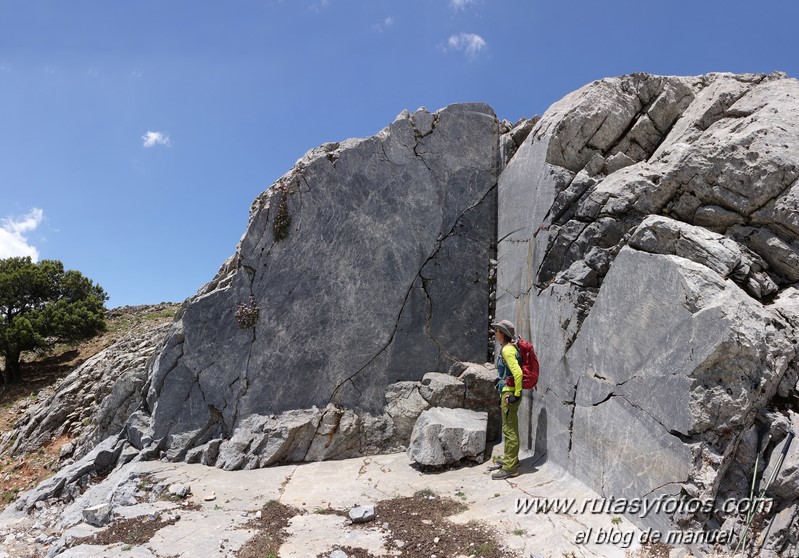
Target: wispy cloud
468,43
319,5
151,139
13,241
387,23
459,4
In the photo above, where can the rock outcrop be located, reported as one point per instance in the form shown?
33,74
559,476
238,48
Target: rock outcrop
365,265
649,245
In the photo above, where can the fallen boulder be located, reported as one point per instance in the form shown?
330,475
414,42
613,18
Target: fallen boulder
448,436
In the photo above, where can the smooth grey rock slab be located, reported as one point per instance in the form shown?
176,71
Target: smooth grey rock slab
447,436
383,276
694,351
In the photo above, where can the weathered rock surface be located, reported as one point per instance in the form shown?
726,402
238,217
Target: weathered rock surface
98,515
368,265
448,436
648,246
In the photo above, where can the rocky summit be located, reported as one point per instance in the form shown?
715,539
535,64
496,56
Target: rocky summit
643,233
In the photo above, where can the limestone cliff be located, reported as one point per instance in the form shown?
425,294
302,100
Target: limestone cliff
649,245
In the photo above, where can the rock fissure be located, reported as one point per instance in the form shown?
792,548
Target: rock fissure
723,105
429,318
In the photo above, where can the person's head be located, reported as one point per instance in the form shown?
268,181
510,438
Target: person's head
504,331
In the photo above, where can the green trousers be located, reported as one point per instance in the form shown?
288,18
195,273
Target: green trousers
510,433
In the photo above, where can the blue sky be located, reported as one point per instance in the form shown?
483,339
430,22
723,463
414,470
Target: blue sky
135,135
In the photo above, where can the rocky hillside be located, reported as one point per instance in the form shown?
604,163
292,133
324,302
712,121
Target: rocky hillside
63,406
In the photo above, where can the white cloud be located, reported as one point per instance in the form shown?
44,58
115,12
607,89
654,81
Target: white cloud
151,139
384,25
459,4
12,235
469,43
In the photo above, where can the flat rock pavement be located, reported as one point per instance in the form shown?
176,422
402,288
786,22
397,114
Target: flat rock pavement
223,502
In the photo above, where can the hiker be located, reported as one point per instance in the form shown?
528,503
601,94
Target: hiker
508,364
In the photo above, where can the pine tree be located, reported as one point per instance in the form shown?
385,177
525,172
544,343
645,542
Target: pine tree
41,305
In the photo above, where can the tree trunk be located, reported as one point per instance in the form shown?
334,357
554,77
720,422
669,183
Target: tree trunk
13,373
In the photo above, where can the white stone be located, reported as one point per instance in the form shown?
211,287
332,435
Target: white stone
179,490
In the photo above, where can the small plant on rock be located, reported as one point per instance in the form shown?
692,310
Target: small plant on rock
247,314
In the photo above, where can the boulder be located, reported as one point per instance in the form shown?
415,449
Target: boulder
261,441
442,390
404,404
448,436
179,490
99,515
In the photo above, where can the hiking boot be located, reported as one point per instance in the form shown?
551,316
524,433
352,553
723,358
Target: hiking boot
495,466
505,474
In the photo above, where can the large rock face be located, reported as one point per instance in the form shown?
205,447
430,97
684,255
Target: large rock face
649,240
366,265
